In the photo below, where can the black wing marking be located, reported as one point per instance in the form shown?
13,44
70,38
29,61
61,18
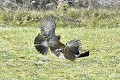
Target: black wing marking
41,44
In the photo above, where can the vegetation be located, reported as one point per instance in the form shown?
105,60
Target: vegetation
98,30
88,18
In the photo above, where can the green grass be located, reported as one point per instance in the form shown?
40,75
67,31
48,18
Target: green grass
20,61
88,18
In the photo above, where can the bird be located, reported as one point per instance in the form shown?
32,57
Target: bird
47,28
48,39
70,51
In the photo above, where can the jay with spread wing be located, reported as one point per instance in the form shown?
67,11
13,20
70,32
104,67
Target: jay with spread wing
47,32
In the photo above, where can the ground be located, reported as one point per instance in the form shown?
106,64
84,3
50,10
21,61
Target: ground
19,60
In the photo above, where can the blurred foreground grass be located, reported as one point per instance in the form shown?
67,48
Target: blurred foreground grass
20,61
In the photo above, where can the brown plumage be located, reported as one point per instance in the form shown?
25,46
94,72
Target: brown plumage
70,50
48,38
47,32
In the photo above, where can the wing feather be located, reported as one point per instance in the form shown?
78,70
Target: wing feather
41,44
71,50
48,26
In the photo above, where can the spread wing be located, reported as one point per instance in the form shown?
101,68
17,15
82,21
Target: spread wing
48,27
41,44
71,50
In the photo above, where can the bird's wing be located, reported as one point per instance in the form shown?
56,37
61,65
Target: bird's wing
71,50
41,44
72,47
48,26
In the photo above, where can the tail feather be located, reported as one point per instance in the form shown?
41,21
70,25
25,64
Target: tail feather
85,54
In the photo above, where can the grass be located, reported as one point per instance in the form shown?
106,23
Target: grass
20,61
88,18
99,32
